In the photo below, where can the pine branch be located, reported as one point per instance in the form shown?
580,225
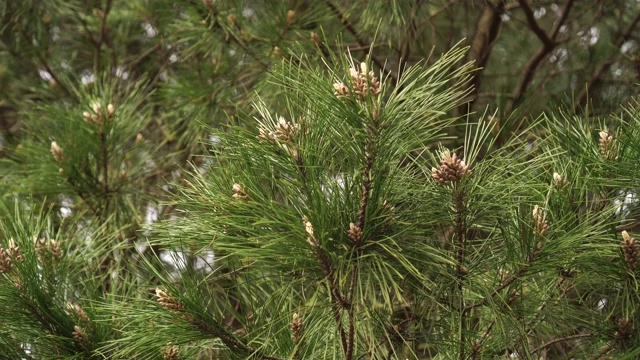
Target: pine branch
596,78
44,62
352,29
230,340
533,25
102,36
548,44
559,340
488,30
503,285
461,231
411,31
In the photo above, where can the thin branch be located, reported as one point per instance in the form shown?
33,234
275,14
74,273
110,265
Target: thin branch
229,340
476,346
536,317
596,78
487,32
533,24
411,31
532,257
43,61
102,36
564,339
532,65
461,230
352,29
364,202
144,54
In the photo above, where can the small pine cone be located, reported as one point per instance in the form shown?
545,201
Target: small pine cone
78,311
19,284
390,214
57,152
97,108
541,224
80,335
40,245
607,146
168,302
47,249
625,330
291,16
340,89
355,233
308,227
5,261
55,249
14,252
285,130
452,169
87,117
170,353
630,250
364,81
111,110
559,181
239,193
315,38
296,327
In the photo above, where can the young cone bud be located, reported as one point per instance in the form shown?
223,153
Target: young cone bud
559,180
452,169
14,252
363,83
296,327
238,192
630,250
308,227
78,311
607,146
80,335
355,233
291,15
170,353
97,108
5,261
167,301
57,152
540,222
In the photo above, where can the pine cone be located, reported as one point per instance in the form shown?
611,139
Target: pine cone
296,327
630,250
451,169
168,302
5,261
607,146
170,353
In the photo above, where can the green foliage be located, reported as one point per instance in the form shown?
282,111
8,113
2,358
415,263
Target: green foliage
207,179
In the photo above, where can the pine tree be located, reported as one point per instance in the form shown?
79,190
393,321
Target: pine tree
238,181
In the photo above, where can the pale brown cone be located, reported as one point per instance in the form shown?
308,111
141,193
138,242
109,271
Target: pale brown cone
452,169
607,146
363,83
167,301
170,353
296,327
630,250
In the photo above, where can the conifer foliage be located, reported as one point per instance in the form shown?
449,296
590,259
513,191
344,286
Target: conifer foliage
316,205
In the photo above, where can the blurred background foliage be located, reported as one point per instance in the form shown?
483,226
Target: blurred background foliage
207,59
